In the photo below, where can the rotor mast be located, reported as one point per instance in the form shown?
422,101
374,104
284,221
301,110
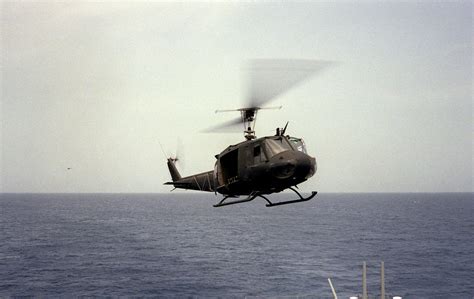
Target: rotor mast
248,117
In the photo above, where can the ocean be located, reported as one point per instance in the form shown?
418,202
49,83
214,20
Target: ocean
177,245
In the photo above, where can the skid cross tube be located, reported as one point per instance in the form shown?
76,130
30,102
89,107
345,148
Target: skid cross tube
221,203
313,194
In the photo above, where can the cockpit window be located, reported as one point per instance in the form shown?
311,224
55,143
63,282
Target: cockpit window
257,154
298,143
276,146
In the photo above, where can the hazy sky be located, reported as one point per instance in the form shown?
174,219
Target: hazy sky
97,86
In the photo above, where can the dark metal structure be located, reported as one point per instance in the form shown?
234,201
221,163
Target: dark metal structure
258,167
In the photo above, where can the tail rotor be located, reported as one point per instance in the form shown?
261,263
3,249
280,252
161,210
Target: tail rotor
174,160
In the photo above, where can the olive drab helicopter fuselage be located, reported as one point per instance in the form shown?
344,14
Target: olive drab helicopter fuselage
258,167
254,168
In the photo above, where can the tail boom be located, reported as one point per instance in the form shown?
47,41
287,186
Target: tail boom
202,181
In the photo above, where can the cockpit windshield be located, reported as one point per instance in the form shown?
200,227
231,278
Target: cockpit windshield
276,146
298,143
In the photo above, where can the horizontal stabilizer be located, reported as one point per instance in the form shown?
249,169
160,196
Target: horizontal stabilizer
182,185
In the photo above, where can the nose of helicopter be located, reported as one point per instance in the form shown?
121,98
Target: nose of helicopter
306,166
293,164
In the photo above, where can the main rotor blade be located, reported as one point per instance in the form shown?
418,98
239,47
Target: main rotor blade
269,78
249,109
232,126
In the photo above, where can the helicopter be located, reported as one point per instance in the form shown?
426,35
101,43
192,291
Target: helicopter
258,167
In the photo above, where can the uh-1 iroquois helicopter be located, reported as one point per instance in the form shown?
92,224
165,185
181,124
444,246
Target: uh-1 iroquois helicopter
258,167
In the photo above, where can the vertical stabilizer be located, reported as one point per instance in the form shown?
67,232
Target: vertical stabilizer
175,176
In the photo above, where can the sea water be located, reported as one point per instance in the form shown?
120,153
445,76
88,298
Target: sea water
178,245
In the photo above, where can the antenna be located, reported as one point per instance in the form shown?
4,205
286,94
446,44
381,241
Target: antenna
382,280
332,288
162,150
364,280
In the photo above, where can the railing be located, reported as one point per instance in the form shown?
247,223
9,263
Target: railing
365,295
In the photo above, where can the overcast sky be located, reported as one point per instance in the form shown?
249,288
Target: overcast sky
96,87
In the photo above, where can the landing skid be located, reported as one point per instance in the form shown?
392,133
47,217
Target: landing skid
254,195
